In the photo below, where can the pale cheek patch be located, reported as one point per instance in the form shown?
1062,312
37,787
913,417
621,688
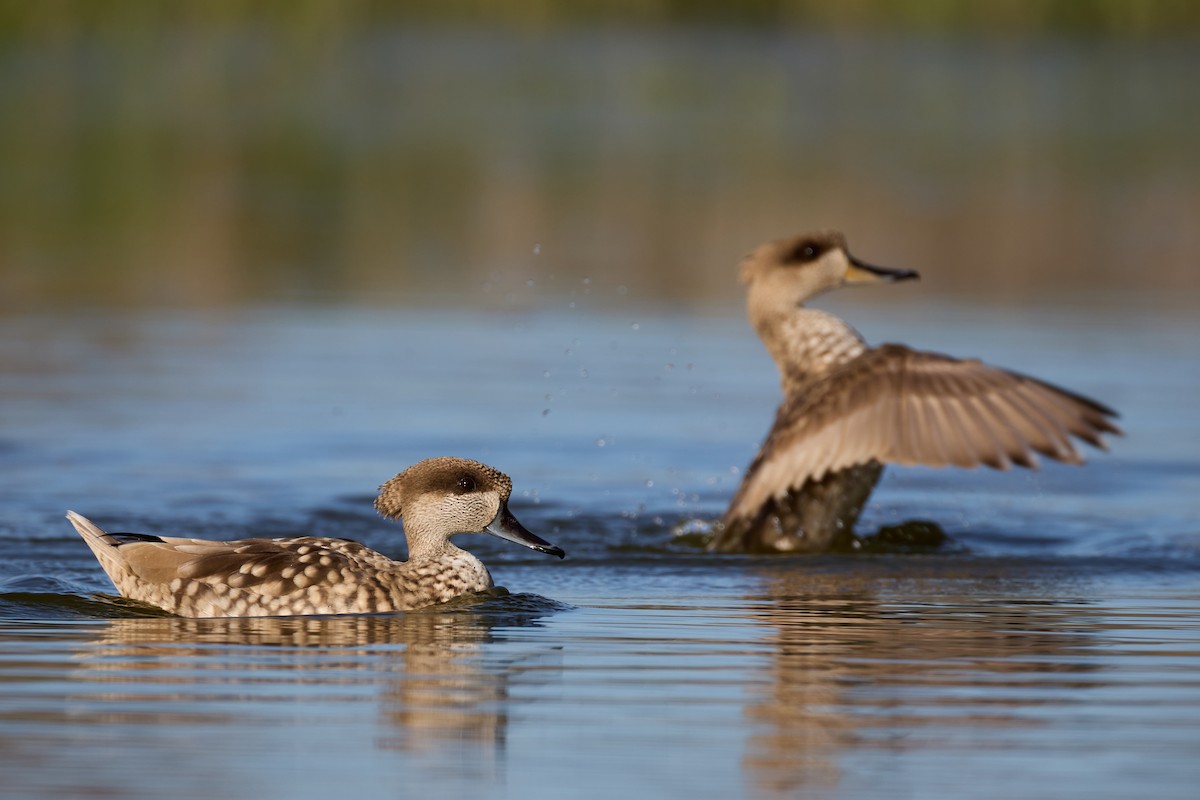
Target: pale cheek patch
470,513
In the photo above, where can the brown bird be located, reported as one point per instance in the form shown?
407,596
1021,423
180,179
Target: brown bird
436,499
848,408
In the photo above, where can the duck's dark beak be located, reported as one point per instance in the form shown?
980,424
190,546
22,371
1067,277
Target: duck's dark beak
505,526
862,272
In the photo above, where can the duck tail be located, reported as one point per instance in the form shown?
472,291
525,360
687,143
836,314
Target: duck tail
92,533
103,545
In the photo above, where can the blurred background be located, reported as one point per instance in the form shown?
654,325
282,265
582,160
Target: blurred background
257,256
497,154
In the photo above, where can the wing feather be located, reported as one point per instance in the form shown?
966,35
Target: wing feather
267,566
897,405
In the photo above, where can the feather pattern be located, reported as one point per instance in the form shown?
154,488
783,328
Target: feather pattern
931,410
311,575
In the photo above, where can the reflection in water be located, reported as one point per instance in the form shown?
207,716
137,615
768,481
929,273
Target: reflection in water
836,676
421,673
852,668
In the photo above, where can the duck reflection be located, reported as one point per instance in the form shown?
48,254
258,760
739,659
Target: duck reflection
423,670
856,668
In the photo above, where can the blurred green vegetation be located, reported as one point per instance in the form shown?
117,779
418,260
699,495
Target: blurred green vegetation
227,152
312,18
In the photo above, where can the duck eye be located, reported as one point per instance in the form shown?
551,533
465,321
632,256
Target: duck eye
803,253
466,483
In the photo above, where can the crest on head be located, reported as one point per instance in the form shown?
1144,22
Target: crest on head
446,475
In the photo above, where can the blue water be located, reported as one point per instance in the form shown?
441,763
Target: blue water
1050,648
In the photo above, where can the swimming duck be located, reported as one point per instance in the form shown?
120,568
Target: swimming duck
848,409
436,499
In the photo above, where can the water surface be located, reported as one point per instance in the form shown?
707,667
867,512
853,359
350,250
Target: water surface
1050,648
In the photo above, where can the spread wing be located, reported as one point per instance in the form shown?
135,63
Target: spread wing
902,406
273,567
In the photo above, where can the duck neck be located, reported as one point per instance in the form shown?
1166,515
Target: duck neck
806,343
433,557
426,545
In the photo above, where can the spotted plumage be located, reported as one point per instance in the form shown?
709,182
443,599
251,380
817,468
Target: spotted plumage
848,409
312,575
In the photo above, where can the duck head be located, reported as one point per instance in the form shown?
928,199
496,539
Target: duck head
784,274
440,497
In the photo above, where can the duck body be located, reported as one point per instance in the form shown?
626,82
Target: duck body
848,409
815,517
274,577
807,345
315,575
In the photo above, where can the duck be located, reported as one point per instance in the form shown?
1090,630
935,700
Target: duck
849,409
306,575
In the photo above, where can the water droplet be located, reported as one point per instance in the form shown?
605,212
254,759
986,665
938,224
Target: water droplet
601,442
529,283
571,304
537,248
635,326
546,374
649,484
583,373
545,412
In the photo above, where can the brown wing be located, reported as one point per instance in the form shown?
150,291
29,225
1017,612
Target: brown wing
896,405
272,567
